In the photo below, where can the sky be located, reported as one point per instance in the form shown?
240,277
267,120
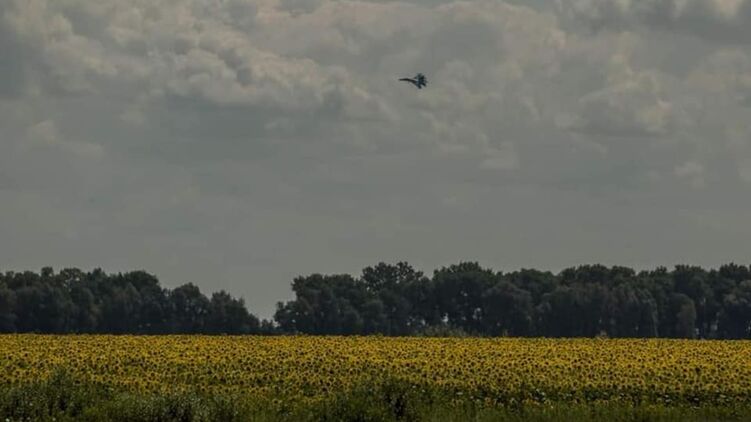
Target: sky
237,144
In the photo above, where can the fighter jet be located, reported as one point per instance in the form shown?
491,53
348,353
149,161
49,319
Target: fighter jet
419,80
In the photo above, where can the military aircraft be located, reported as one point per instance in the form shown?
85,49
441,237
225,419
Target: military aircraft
419,80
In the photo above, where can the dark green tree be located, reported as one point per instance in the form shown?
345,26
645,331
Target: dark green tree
390,285
189,310
507,310
228,315
633,312
578,310
459,293
681,317
7,303
735,317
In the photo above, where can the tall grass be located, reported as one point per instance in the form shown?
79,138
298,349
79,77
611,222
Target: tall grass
62,397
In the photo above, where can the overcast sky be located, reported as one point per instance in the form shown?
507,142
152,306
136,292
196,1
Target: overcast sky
236,144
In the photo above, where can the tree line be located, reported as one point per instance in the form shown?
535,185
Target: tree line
73,301
398,300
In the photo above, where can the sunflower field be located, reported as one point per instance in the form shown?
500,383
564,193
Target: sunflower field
490,371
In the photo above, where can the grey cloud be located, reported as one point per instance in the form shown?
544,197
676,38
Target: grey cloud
237,144
13,67
744,171
631,107
719,20
300,6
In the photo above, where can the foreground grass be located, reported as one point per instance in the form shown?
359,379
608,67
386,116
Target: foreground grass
62,397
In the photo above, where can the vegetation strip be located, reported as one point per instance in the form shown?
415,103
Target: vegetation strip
397,300
295,373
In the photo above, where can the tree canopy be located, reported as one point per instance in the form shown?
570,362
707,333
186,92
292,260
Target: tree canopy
398,300
584,301
73,301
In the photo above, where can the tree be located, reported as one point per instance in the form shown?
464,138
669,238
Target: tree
390,284
189,309
86,310
386,276
73,301
537,283
120,312
735,318
681,317
426,310
374,317
321,303
41,304
7,317
737,273
633,312
151,315
395,299
508,310
692,282
574,311
459,293
228,315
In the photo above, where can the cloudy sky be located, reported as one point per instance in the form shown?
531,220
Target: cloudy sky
236,144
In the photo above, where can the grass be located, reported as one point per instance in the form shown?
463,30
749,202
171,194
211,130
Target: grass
61,397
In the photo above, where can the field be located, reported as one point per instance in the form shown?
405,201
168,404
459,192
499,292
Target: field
373,378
